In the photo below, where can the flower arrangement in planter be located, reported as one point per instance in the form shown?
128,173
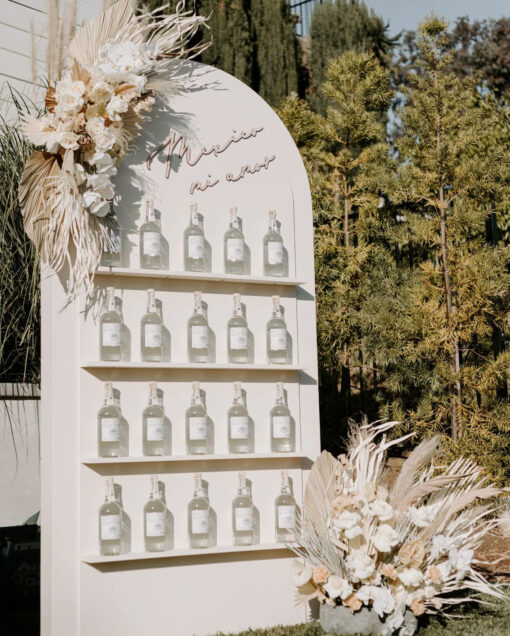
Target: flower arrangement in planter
397,553
116,66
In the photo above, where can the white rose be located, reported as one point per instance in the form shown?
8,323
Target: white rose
68,140
385,538
366,593
67,86
95,126
411,577
69,102
300,573
80,175
101,92
346,520
352,533
337,587
421,517
383,601
104,141
381,510
101,184
115,106
360,564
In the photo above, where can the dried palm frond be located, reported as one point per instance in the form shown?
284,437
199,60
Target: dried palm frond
418,458
320,488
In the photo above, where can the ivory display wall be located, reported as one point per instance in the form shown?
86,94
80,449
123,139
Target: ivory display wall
238,154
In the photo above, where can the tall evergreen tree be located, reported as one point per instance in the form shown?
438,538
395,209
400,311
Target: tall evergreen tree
342,25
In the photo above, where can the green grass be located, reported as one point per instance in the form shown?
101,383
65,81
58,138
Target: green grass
471,621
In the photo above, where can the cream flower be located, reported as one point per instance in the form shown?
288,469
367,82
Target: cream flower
385,538
337,587
104,141
383,601
103,163
95,203
421,517
95,126
69,103
389,570
460,560
116,106
410,577
68,140
353,603
380,509
346,520
67,86
320,574
352,533
360,564
300,573
434,574
101,184
101,92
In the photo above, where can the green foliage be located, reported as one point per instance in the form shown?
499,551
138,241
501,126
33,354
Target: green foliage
338,26
19,270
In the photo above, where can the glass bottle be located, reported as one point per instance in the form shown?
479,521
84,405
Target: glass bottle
155,430
273,249
240,427
242,515
283,438
109,425
199,516
151,331
110,522
233,246
156,527
194,243
198,332
285,512
111,256
110,326
276,336
237,334
150,239
198,425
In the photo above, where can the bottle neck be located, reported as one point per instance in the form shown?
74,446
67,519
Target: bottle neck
234,221
242,489
153,397
110,302
199,490
285,487
194,218
238,397
196,399
238,309
110,492
273,227
151,305
198,310
280,396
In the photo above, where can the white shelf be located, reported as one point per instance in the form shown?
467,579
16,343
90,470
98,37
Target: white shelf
207,366
93,461
199,276
171,554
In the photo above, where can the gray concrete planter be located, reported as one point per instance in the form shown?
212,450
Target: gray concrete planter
340,620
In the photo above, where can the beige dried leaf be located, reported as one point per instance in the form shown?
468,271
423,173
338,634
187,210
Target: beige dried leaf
418,458
320,488
426,487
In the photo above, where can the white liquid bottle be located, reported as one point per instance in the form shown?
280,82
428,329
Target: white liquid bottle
276,336
283,438
234,253
109,425
198,425
110,522
156,527
151,333
240,427
285,512
273,249
110,327
150,239
194,243
156,432
198,332
237,334
199,517
243,515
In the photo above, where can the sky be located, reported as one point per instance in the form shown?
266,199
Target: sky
406,14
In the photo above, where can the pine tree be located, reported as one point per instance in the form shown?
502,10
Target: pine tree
347,160
342,25
442,370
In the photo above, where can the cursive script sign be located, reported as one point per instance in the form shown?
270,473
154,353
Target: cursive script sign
176,145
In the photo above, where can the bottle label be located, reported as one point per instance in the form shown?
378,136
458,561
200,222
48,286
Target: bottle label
278,339
243,519
152,336
110,527
238,337
281,426
155,524
200,521
286,517
111,334
275,253
239,427
155,429
110,429
197,428
196,246
235,249
199,337
151,243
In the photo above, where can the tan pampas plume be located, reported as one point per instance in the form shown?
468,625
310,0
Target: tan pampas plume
419,457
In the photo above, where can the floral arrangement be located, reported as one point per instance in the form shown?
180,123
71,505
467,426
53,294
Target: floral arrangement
410,548
117,64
